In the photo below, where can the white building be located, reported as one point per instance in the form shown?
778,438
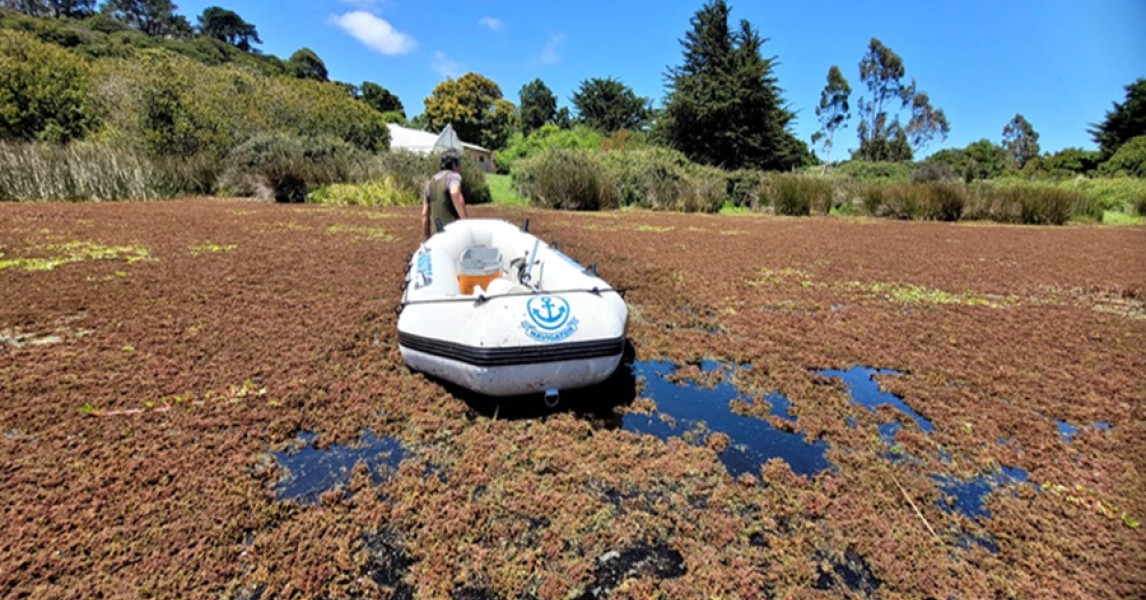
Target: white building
425,142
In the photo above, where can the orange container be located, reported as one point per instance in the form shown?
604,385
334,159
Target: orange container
467,283
479,266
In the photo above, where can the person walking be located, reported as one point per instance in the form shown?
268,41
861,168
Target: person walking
442,201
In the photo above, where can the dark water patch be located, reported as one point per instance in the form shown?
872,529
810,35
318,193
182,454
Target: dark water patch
781,406
966,496
887,432
686,408
657,560
758,540
853,572
387,563
311,471
864,390
1066,431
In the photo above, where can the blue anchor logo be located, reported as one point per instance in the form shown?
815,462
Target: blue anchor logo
548,312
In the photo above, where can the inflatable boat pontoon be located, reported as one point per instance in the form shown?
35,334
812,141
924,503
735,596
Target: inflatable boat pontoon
491,308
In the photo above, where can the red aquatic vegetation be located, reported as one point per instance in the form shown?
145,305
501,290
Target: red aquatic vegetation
134,435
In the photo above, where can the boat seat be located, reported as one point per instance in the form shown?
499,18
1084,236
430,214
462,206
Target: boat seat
502,285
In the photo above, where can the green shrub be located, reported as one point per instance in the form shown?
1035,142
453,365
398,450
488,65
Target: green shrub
80,171
409,172
564,179
742,187
288,165
706,191
664,179
1112,193
1130,159
52,31
475,189
173,105
932,171
548,136
43,91
875,170
653,179
380,192
1067,162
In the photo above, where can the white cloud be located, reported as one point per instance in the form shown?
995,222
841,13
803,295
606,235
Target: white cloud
549,54
446,67
493,23
375,33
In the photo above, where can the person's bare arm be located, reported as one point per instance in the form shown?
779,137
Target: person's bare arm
458,199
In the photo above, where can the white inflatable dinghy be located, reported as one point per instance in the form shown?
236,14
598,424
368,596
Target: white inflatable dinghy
491,308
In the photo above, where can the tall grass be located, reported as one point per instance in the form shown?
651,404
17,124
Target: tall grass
931,201
1030,203
798,195
1122,194
82,171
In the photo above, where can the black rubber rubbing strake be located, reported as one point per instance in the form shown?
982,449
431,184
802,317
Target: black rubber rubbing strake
516,355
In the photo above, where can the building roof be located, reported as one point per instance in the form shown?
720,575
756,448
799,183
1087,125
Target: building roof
425,142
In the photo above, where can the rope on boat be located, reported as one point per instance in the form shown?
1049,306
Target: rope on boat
482,298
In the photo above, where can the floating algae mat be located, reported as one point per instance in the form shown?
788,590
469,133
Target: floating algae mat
682,409
311,471
966,496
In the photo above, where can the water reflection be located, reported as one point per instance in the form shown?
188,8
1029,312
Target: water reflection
686,408
310,471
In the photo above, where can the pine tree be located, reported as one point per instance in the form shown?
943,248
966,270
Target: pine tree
227,26
538,106
724,106
608,105
1125,122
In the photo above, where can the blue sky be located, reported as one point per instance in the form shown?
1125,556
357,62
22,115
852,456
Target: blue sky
1059,63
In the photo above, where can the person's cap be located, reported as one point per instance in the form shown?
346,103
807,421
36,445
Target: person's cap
451,157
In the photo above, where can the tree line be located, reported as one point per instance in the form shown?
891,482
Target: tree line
723,107
897,120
